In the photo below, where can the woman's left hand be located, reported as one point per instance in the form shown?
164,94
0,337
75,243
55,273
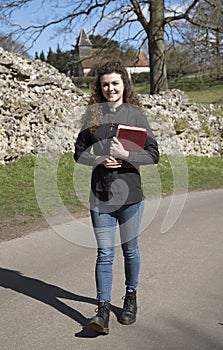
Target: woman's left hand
117,150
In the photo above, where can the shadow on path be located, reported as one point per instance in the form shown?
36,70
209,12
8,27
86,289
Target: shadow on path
49,294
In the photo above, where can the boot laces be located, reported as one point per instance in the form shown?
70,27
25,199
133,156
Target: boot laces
101,310
127,305
128,299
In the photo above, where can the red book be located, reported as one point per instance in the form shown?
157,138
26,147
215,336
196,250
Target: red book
132,138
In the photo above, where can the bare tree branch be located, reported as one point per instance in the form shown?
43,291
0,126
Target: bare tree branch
138,11
184,15
120,17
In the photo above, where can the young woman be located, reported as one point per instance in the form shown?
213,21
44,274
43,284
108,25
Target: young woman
116,194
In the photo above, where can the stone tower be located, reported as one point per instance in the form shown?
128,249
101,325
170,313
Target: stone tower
84,45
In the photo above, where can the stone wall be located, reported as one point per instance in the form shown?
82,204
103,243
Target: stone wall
40,110
182,127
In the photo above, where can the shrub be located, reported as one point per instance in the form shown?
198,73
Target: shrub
83,82
140,77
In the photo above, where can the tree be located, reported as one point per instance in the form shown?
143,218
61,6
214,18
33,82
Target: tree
205,42
60,60
179,62
8,44
112,48
51,57
141,20
99,41
42,56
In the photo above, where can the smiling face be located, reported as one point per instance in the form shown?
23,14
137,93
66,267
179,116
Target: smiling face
112,87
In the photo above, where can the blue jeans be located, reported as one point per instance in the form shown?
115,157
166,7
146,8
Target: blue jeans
104,223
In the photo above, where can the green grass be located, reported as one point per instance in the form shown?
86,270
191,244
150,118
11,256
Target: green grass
32,185
205,173
207,96
206,92
17,193
64,183
142,88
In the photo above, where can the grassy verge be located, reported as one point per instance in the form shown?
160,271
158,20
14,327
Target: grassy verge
205,92
18,196
67,184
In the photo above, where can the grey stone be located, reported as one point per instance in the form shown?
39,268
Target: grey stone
41,109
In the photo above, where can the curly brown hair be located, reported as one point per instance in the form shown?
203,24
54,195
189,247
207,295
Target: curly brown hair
94,111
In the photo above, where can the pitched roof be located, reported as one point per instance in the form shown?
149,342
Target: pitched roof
138,59
83,39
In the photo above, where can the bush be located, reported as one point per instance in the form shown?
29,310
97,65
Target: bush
83,82
140,77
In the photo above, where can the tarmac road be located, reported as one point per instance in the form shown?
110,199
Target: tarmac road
48,291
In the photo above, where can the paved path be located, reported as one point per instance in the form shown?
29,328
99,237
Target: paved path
48,288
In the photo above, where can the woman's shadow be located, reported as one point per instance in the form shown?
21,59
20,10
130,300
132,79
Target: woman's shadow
49,294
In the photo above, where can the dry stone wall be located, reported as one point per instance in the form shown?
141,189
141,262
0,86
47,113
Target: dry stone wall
182,127
40,110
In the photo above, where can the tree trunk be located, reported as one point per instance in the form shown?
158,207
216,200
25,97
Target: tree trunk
157,48
218,55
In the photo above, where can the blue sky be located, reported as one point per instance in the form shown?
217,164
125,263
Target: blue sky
37,11
34,14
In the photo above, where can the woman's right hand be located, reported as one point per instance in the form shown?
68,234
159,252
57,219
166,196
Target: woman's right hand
108,161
